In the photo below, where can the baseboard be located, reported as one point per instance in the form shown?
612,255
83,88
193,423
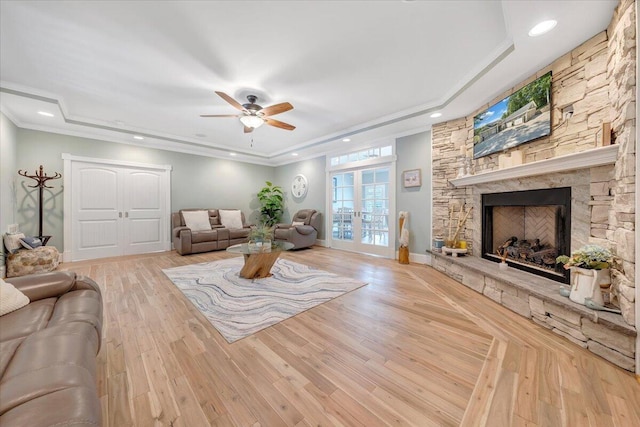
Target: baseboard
418,258
322,243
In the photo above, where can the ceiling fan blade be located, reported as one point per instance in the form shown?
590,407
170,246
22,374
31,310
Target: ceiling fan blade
279,124
218,115
276,109
247,129
230,100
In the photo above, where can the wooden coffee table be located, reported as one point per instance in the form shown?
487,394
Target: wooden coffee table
258,261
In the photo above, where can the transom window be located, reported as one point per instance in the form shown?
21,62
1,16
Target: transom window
369,153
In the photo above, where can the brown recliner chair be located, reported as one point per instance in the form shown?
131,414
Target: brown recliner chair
303,230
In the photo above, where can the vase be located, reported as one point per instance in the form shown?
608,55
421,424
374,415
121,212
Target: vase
585,283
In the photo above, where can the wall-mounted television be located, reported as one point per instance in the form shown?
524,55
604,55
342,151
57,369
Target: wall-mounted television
521,117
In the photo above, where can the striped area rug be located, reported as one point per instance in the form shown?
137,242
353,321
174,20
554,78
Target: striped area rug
239,307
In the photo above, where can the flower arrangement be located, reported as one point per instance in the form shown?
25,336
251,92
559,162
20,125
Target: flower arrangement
261,232
592,257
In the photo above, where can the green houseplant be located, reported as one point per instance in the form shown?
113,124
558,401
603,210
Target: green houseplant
260,238
271,199
261,233
590,257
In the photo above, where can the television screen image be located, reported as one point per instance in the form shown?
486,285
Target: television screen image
521,117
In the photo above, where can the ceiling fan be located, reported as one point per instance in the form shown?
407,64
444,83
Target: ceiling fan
253,115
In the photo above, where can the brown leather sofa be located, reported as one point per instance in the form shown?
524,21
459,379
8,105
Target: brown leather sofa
186,241
48,353
304,233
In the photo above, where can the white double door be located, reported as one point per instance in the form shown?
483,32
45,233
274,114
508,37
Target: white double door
362,215
117,210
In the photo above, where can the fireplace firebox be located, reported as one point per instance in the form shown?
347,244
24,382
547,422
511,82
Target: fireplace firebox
528,230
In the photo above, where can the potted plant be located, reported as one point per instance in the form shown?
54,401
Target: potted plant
590,257
260,238
272,201
589,272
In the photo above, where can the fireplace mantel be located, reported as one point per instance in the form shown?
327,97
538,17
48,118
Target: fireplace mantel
585,159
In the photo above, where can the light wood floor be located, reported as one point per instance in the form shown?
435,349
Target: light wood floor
412,348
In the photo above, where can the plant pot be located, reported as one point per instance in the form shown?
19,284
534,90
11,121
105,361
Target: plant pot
585,283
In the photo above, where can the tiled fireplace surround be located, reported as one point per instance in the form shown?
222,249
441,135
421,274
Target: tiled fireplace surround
598,80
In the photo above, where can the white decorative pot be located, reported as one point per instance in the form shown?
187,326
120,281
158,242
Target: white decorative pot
586,283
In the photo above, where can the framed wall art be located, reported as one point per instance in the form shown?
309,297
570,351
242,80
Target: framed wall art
412,178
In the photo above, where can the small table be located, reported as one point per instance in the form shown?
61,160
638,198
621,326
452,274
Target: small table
258,261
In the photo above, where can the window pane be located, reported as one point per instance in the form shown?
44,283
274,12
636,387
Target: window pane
367,177
381,191
386,151
382,175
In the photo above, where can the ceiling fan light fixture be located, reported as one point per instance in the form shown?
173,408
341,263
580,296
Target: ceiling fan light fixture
253,122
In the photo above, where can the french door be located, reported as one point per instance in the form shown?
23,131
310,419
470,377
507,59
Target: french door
116,210
362,218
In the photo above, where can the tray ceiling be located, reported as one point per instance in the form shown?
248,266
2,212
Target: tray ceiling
367,70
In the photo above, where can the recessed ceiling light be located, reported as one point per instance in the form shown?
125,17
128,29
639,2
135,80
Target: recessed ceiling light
44,113
435,115
294,154
138,137
346,139
543,27
233,154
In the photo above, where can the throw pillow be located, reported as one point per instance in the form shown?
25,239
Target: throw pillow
197,220
12,242
231,219
294,223
30,242
11,298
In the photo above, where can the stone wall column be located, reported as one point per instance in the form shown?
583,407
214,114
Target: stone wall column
621,74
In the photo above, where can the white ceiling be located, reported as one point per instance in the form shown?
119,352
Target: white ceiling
364,69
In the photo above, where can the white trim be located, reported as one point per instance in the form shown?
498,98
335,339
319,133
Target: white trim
582,160
71,157
67,254
360,164
417,258
322,243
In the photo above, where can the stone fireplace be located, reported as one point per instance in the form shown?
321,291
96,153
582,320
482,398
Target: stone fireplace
528,229
596,81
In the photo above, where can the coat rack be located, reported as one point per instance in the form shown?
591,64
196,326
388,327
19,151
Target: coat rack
41,178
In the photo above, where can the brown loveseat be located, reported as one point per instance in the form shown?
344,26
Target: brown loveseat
186,241
48,353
